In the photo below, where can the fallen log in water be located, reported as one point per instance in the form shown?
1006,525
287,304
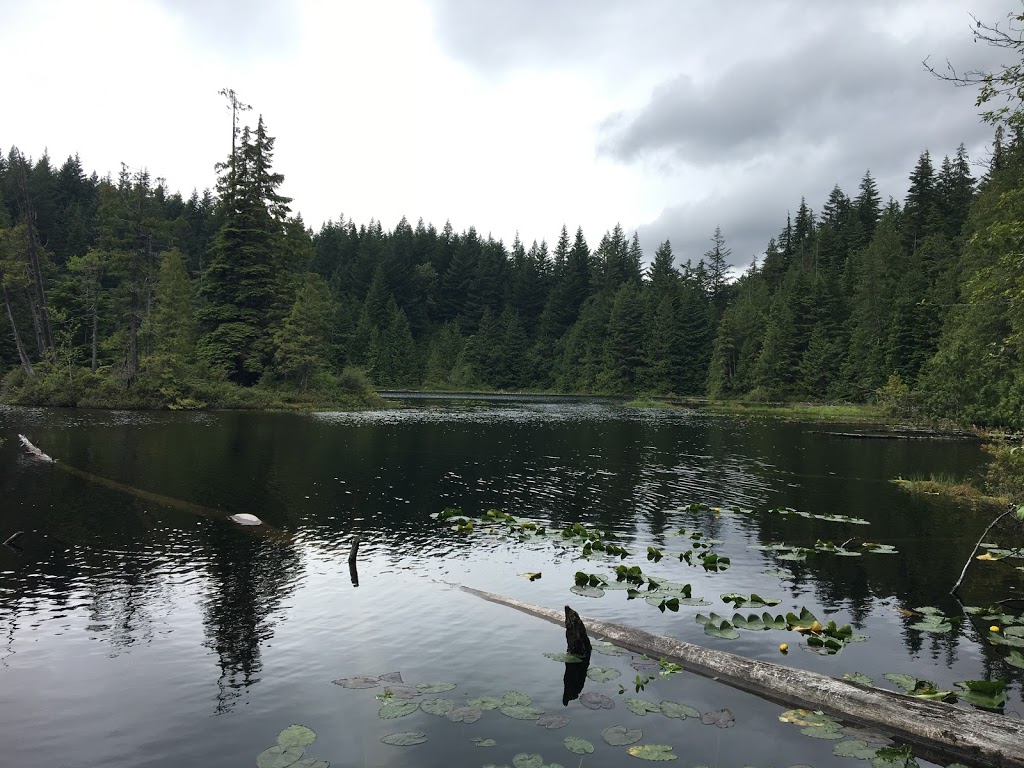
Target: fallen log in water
243,519
961,734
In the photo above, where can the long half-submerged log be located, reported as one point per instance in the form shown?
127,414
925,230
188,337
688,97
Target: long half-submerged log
966,735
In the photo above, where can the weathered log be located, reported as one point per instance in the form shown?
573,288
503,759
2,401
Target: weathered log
576,640
354,551
955,733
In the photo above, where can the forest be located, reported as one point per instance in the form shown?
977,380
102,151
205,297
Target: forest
121,293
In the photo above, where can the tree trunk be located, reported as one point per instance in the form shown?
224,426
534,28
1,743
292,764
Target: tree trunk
26,364
47,350
95,323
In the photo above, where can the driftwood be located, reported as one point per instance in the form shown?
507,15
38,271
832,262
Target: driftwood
954,733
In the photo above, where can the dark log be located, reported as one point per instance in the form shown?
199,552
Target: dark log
576,640
354,551
954,734
573,680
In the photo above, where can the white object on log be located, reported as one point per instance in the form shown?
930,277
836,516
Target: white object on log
245,519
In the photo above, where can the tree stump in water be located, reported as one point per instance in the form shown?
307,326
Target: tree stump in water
576,640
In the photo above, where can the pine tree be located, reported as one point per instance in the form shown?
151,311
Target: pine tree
718,265
239,282
303,340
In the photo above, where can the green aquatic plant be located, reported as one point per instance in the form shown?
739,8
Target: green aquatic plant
290,750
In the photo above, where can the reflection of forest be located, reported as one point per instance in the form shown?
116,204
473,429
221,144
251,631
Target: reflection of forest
248,581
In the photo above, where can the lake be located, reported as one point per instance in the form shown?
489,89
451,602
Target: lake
140,627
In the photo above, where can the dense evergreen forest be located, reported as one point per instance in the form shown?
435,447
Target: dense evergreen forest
118,291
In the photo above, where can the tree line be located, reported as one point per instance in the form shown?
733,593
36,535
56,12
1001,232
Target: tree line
114,286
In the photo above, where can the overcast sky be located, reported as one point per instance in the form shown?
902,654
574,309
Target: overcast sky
667,116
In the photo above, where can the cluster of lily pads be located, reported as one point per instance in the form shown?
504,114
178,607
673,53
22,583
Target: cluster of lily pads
796,553
397,700
826,639
812,516
865,745
290,750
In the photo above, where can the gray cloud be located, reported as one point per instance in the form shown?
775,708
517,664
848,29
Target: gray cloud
253,28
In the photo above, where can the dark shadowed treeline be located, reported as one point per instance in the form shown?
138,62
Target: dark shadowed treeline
117,291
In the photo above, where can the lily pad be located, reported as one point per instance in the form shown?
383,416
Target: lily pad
439,707
721,718
641,706
587,591
906,682
829,732
854,748
592,700
482,742
310,762
521,711
1015,659
987,694
858,677
567,658
552,722
620,735
465,715
279,757
404,739
435,687
512,698
393,709
357,682
402,691
724,631
603,674
296,736
655,752
526,760
485,703
578,746
607,649
643,665
391,677
677,711
531,575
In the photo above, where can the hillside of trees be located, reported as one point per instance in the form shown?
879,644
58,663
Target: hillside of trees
120,292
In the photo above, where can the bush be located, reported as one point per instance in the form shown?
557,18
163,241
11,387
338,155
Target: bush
1005,474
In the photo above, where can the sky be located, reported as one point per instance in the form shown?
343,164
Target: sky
669,117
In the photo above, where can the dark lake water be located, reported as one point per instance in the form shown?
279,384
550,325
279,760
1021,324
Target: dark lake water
141,628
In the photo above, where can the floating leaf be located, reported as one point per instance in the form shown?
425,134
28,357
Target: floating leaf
834,732
607,649
525,760
806,717
906,682
603,674
644,664
858,677
404,739
296,736
512,698
578,746
402,692
933,623
465,715
485,702
620,735
531,575
279,757
310,762
587,591
592,700
393,709
357,682
567,658
1015,659
677,711
657,752
521,711
987,694
553,722
434,687
482,742
987,556
439,707
854,748
641,706
721,718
